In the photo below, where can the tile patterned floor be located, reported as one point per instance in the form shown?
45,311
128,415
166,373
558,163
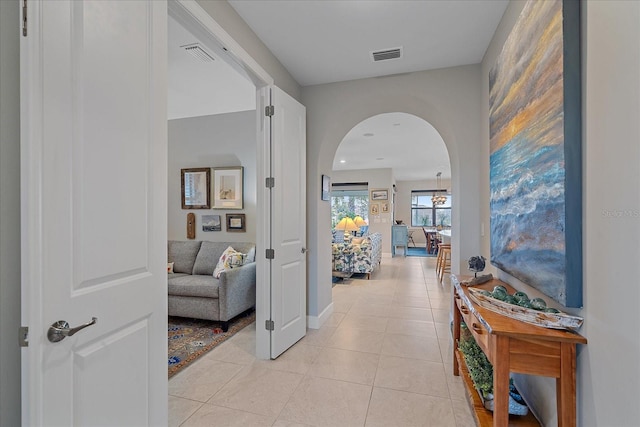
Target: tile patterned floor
382,359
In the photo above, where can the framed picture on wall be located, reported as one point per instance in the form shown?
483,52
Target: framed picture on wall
325,192
381,194
211,223
228,188
196,188
385,207
236,222
375,208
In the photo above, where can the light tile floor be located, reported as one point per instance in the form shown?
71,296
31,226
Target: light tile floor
382,359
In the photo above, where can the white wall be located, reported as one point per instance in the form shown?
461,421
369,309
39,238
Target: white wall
9,213
608,377
449,99
377,179
212,141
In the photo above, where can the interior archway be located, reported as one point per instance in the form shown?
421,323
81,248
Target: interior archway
393,150
336,113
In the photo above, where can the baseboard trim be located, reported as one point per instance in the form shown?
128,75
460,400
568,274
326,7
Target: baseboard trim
315,322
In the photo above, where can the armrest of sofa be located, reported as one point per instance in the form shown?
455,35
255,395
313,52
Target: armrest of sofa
237,291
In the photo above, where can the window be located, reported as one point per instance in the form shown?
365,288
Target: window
425,214
349,203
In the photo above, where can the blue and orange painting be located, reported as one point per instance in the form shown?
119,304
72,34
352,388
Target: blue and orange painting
527,162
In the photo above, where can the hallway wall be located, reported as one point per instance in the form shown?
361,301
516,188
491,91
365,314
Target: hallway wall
608,369
449,99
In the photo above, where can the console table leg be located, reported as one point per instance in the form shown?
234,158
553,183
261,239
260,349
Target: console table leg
501,381
566,386
456,335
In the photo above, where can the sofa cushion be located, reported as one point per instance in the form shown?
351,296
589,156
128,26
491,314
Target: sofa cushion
210,253
208,257
193,286
183,255
230,258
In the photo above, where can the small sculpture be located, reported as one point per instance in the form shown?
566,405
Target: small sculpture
476,264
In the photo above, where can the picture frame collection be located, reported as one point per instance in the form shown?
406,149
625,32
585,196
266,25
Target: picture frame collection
215,188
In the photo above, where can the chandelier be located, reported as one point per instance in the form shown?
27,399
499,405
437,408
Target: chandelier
438,198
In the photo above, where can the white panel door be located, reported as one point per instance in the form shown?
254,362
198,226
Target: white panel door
288,222
94,209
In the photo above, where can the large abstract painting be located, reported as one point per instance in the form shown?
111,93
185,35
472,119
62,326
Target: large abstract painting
535,178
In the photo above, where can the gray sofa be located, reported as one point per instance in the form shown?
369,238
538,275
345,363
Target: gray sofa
195,293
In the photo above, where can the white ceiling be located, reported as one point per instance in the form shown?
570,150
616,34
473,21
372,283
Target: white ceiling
198,88
324,41
403,142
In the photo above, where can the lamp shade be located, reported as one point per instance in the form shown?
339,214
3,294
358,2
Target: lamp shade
359,221
347,224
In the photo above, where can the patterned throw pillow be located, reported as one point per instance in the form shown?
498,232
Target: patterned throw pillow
229,259
169,267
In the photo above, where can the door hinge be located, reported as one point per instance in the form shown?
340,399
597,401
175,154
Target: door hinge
271,254
269,110
270,182
24,18
269,325
23,336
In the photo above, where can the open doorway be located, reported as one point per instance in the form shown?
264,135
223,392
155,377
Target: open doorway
401,155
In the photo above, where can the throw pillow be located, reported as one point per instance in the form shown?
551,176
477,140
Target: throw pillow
357,240
229,259
169,267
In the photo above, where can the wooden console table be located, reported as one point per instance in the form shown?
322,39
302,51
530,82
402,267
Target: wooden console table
515,346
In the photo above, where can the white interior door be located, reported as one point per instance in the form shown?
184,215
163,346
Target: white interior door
94,149
288,222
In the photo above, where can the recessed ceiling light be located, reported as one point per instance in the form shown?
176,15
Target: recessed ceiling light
368,134
343,161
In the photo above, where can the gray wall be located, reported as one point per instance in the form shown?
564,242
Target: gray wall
9,213
608,371
449,99
212,141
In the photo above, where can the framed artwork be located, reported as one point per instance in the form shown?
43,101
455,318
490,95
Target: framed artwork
211,223
375,208
536,151
228,187
325,191
385,207
196,188
382,194
236,222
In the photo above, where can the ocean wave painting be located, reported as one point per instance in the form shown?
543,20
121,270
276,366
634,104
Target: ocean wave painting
533,156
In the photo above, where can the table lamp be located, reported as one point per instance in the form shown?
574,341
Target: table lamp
347,225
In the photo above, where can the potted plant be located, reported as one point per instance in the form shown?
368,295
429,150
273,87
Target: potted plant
481,373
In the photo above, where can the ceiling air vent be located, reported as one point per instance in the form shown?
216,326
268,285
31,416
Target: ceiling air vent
384,55
196,50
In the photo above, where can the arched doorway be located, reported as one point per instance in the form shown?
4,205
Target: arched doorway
336,109
400,152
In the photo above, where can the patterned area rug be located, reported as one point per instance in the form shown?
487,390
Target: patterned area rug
191,338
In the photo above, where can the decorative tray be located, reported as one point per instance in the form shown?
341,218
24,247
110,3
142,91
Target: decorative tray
558,320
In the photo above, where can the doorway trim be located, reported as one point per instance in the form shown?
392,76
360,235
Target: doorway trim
190,14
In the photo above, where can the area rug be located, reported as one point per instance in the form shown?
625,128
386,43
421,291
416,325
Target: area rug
189,339
411,251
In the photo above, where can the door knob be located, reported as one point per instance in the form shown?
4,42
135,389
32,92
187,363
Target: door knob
304,250
60,329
